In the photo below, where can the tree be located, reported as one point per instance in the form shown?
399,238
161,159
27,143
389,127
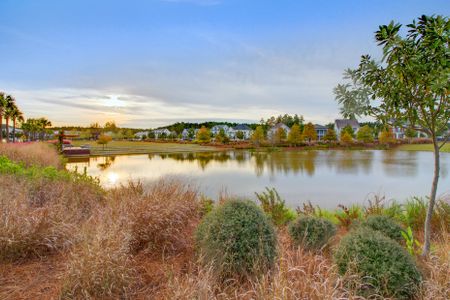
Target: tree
330,135
2,111
346,138
111,126
258,136
10,102
349,130
279,136
309,132
409,85
386,136
220,136
365,134
240,135
203,135
410,133
104,139
17,116
295,135
191,133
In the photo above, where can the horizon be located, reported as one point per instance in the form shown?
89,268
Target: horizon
148,64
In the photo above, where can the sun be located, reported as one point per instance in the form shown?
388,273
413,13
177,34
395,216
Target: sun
114,101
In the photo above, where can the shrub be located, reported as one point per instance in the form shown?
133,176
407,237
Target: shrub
237,239
311,232
156,219
274,206
100,268
382,266
385,225
32,154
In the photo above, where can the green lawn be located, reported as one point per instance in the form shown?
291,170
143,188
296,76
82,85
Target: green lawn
423,147
138,147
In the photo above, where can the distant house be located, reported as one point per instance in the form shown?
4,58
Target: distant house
216,129
321,131
274,129
158,132
342,123
141,134
185,134
245,129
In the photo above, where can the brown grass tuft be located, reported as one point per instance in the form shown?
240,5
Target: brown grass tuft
32,154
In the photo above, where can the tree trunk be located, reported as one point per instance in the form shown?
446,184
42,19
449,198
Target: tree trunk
1,127
7,129
427,229
14,130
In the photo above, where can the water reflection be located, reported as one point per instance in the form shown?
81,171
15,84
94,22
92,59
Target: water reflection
330,177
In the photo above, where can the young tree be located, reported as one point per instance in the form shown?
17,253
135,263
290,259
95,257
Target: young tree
295,135
330,136
365,134
191,133
104,139
309,132
346,138
386,136
349,130
410,133
258,136
239,135
279,136
410,84
203,135
220,136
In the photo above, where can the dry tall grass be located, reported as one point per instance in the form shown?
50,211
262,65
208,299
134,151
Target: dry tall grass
38,217
32,154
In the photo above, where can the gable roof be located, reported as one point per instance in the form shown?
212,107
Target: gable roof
341,123
242,127
320,127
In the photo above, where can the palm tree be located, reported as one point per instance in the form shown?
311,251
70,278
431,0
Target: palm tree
2,108
16,115
43,123
10,103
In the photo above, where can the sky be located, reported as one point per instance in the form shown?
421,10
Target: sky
149,63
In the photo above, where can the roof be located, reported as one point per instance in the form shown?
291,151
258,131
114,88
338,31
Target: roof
341,123
242,127
320,127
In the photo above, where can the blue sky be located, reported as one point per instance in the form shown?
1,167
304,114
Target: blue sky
147,63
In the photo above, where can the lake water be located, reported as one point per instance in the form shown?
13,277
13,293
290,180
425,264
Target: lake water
326,178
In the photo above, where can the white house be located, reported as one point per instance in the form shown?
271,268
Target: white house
274,129
321,131
185,134
159,132
245,129
139,135
216,129
342,123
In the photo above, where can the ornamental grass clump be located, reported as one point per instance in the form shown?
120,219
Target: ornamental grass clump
385,225
237,240
311,233
376,265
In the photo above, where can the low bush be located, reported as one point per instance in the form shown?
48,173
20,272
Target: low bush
385,225
377,265
274,206
156,218
237,240
100,267
40,217
32,154
311,233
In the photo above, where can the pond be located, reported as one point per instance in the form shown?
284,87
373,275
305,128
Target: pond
325,178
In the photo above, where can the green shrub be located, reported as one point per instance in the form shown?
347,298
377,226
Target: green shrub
311,232
382,266
385,225
237,240
274,206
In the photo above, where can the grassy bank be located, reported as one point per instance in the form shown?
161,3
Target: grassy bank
63,237
422,147
138,147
